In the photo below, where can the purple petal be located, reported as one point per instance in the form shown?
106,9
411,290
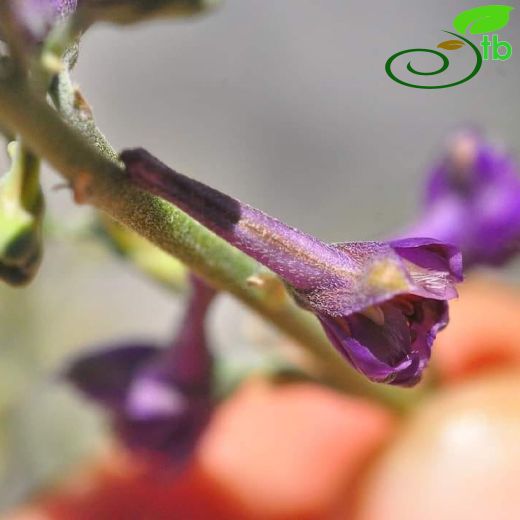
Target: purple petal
174,435
105,375
431,254
435,267
395,351
162,415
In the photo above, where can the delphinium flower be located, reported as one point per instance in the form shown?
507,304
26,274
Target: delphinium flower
472,200
381,304
160,399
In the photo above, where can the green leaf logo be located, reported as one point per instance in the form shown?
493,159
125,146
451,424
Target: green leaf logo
484,19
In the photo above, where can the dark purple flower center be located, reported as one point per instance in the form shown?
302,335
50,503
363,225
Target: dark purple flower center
390,342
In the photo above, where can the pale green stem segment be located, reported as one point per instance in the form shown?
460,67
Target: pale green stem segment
98,180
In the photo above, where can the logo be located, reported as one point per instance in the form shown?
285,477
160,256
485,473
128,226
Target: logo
478,21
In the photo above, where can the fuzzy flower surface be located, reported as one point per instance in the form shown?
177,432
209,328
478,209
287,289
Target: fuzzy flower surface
160,399
380,303
472,200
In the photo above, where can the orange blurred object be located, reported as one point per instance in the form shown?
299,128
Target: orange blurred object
458,458
272,452
483,333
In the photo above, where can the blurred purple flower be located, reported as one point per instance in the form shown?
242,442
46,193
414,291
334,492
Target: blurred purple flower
472,200
381,304
160,399
36,17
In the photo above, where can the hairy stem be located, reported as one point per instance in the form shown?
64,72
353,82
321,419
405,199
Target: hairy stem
97,178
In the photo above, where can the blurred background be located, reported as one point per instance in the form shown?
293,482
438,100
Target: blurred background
285,105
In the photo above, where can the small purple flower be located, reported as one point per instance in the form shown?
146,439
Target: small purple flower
160,399
472,200
37,17
381,304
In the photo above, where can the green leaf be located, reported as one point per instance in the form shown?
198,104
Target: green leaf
484,19
451,45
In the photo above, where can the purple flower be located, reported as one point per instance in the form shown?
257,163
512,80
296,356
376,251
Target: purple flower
472,200
36,17
160,399
381,304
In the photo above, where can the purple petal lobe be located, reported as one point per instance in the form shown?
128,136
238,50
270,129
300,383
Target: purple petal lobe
106,374
433,266
395,351
431,254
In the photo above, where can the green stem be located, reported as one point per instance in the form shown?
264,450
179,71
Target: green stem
157,264
75,110
98,180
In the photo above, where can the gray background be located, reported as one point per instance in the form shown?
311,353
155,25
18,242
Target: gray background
284,104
